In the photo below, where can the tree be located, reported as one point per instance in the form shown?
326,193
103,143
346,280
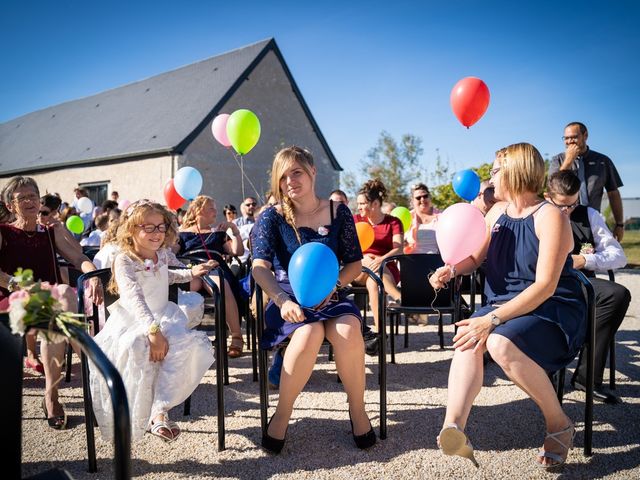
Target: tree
397,164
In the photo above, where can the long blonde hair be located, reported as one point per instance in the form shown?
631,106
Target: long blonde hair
522,169
133,216
195,208
283,160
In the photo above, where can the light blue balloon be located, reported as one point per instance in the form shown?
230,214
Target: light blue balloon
313,272
466,183
188,182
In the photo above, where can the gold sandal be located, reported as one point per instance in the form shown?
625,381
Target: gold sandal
235,350
453,441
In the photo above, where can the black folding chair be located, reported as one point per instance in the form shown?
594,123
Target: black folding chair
612,347
263,368
417,295
587,354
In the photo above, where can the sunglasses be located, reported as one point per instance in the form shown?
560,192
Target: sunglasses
150,228
252,204
421,197
44,213
566,208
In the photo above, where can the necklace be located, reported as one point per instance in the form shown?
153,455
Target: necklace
312,212
27,233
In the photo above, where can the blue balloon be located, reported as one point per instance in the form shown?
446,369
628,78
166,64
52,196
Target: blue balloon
466,183
313,272
188,182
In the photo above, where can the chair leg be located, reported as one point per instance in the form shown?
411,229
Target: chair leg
558,380
254,349
187,407
393,318
264,394
89,419
406,329
440,331
612,364
69,353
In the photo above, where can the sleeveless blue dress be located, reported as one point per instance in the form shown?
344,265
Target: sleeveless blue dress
275,241
552,334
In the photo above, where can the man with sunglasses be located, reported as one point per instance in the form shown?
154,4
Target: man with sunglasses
595,171
595,249
247,209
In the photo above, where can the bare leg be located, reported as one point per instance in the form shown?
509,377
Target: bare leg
372,289
299,359
231,309
465,381
344,333
390,284
32,353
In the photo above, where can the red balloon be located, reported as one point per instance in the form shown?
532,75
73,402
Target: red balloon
173,199
469,100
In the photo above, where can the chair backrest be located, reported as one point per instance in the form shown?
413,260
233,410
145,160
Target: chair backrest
90,251
415,270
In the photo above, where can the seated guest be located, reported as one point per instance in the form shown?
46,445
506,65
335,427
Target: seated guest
338,196
594,249
486,197
230,212
421,236
534,322
95,237
387,242
302,217
200,231
247,209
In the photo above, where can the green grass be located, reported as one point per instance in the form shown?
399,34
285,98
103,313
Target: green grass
631,245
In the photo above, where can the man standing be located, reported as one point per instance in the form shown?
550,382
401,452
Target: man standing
247,209
595,250
595,171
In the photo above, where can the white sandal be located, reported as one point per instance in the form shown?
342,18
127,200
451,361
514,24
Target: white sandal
175,429
453,441
542,454
156,430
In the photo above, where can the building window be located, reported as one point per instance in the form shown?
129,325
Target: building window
97,192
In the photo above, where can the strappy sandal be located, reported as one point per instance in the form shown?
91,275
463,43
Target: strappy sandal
559,459
58,422
175,429
453,441
157,430
235,350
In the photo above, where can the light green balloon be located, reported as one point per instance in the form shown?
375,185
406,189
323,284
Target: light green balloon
75,224
404,215
243,130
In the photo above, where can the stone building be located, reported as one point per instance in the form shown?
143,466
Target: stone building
132,139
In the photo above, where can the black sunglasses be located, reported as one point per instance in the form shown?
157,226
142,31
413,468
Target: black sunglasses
422,197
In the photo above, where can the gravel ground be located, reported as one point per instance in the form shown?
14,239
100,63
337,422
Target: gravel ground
505,426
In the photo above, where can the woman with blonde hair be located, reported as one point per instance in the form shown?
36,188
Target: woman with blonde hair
534,322
302,217
199,231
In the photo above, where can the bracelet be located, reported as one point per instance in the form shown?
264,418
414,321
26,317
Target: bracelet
277,301
12,284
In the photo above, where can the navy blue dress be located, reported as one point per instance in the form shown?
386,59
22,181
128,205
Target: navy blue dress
552,334
274,240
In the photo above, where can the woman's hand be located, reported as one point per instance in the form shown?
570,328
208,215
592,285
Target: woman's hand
372,262
473,333
441,277
203,268
325,302
96,294
158,347
290,311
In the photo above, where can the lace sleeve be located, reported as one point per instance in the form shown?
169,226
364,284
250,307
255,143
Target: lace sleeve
348,244
131,294
264,234
183,275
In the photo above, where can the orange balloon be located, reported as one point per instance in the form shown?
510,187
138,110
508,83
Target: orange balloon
366,235
469,100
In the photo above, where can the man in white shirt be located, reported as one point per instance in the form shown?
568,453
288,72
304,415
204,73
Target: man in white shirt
595,250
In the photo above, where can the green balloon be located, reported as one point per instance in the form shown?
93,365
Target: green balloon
75,224
404,215
243,130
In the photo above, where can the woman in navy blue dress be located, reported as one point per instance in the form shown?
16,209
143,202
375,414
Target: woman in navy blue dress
302,217
534,321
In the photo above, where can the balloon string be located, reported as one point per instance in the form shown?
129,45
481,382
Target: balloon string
245,176
242,174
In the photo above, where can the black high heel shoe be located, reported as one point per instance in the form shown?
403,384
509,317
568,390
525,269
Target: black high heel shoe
271,444
57,423
366,440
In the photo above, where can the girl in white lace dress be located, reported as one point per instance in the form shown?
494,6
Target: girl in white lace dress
146,336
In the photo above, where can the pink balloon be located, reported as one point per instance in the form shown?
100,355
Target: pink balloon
123,204
219,129
460,232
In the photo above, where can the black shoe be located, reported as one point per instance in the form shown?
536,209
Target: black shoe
371,343
271,444
366,440
599,393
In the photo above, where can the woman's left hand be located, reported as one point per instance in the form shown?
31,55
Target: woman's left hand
472,333
325,302
96,294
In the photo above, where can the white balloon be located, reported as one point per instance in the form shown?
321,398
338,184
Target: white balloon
85,205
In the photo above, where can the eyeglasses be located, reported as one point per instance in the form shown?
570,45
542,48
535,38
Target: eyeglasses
493,172
252,204
421,197
566,208
570,137
27,198
150,227
44,213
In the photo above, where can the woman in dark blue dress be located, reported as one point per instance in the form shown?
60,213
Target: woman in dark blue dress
534,321
302,217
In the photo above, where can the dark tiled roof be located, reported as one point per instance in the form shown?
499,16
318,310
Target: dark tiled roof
156,115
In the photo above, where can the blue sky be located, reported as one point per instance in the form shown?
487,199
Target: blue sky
363,67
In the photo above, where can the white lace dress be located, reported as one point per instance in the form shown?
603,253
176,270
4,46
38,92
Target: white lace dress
152,387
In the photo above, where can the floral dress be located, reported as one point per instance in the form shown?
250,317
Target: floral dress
275,241
152,387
